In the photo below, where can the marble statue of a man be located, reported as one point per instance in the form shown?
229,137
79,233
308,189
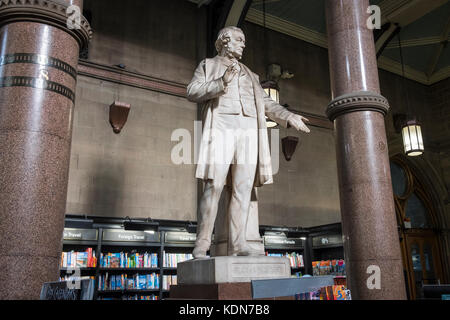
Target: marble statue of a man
234,146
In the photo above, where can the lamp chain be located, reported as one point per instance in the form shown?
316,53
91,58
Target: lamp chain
408,111
265,38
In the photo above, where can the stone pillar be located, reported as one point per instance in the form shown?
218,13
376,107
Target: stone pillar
38,71
371,240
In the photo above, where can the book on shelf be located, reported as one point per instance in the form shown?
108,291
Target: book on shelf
171,260
132,297
85,259
168,281
329,267
295,259
125,282
126,260
75,278
138,297
335,292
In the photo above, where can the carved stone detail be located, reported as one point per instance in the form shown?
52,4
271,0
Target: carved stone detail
46,12
357,101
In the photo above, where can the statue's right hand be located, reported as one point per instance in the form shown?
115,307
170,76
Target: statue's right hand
230,73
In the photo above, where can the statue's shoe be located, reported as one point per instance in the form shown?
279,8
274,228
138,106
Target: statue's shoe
199,253
245,251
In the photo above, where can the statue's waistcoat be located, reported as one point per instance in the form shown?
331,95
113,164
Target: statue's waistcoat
239,97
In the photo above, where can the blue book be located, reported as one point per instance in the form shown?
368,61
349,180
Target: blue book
113,284
142,282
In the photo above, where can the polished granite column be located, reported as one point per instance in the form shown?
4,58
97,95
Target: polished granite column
38,71
371,240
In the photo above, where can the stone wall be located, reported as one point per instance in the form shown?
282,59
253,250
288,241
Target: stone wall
131,174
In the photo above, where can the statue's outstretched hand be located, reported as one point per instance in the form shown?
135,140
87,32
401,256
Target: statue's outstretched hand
296,121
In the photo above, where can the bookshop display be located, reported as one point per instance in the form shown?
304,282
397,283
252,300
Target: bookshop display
141,265
336,292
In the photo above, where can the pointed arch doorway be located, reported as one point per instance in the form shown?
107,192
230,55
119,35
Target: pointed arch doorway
417,223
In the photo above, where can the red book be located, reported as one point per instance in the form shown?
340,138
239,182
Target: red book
89,259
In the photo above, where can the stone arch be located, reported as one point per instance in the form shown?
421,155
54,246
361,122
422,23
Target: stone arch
428,175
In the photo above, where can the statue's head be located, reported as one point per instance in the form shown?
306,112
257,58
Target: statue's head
230,42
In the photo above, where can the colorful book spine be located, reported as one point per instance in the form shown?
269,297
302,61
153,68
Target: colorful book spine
171,260
72,259
123,260
121,282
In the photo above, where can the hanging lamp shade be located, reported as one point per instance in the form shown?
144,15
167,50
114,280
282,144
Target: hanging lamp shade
411,130
272,90
289,144
412,138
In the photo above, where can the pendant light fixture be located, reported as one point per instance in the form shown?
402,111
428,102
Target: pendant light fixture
272,90
269,86
411,128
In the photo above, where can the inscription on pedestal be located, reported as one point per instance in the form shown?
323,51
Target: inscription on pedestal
239,270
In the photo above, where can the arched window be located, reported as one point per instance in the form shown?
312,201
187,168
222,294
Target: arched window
416,220
416,212
413,205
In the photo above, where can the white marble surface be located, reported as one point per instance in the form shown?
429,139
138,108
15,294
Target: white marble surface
232,269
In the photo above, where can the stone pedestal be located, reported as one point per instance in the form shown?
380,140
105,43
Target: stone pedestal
232,269
217,291
371,242
38,67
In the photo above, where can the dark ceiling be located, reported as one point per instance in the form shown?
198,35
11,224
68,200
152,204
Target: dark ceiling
424,40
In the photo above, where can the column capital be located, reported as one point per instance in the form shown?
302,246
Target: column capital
357,101
46,12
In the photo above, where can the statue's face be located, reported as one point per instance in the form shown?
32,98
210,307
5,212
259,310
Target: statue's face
236,45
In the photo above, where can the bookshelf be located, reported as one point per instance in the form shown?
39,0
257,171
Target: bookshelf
328,246
177,247
328,255
278,244
171,243
129,264
74,264
154,254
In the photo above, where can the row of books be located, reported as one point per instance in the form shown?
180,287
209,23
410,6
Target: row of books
136,297
123,281
168,281
171,260
132,297
329,267
85,259
125,260
336,292
75,278
295,259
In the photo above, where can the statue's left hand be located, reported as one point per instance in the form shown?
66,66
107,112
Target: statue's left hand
297,121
